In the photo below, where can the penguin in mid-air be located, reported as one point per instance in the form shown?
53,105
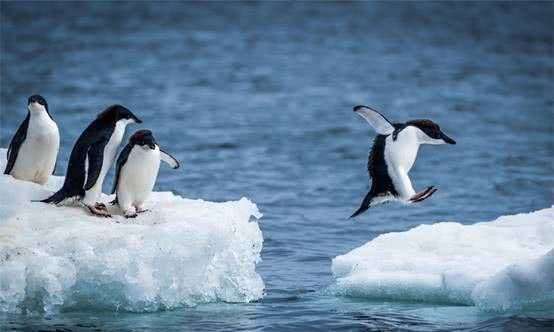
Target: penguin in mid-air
34,147
91,158
136,172
392,156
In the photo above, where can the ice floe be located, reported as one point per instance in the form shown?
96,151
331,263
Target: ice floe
182,253
502,265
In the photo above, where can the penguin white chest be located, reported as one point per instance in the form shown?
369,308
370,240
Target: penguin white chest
402,152
138,176
38,152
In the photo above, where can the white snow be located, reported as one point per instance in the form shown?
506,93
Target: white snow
502,265
182,253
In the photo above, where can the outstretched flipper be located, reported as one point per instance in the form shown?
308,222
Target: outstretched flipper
169,159
423,195
381,125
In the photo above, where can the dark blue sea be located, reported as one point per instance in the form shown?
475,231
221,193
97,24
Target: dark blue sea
255,99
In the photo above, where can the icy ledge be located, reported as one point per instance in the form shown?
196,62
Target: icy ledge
182,253
502,265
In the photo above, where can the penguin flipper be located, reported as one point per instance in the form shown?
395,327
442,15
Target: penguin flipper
95,159
169,159
121,160
377,120
15,144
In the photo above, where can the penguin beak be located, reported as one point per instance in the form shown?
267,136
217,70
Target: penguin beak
137,120
152,146
447,139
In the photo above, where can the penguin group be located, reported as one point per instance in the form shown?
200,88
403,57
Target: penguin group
33,151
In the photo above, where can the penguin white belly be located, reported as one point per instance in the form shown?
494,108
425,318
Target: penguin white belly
138,176
400,155
402,152
110,150
37,155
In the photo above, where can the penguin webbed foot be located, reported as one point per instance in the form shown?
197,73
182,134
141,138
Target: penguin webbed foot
99,209
101,206
130,212
423,195
142,210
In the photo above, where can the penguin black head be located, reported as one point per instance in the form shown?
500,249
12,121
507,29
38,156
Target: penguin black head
432,132
144,139
116,113
38,99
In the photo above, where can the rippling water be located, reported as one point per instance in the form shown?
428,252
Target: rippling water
255,100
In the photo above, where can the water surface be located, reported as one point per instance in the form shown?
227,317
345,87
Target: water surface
255,100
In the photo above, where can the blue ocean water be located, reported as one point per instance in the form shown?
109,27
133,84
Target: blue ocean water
255,99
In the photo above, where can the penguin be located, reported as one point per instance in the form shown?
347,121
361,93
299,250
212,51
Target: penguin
392,156
33,150
92,156
136,172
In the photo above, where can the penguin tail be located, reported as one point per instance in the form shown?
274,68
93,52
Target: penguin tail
373,199
366,204
361,210
56,198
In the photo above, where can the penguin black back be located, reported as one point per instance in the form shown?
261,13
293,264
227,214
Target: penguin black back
381,181
377,167
89,144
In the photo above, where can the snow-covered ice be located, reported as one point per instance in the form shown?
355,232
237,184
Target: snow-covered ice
502,265
182,253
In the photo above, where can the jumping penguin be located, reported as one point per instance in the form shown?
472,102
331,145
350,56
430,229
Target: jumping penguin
136,172
34,147
91,158
392,156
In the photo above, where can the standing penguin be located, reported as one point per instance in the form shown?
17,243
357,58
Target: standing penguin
91,158
392,156
136,171
34,147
